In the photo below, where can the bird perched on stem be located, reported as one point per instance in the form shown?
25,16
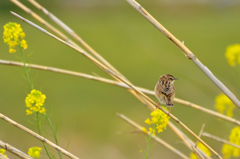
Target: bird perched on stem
165,90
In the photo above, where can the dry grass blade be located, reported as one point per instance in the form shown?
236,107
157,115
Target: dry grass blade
120,84
110,72
14,150
187,141
186,51
42,21
198,154
10,121
220,140
3,157
157,139
200,134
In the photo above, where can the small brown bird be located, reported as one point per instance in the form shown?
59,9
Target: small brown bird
165,90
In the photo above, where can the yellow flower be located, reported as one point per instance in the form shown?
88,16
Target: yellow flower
2,151
159,121
228,150
203,148
152,131
148,121
13,35
223,103
144,129
34,152
232,54
34,101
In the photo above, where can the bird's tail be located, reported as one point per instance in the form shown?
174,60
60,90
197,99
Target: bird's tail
169,102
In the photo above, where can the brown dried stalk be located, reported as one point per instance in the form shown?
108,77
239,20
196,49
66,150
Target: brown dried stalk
186,51
107,70
120,84
200,134
10,121
157,139
42,21
188,142
220,140
3,157
14,150
197,153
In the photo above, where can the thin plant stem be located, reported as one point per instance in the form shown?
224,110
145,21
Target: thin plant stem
40,133
187,141
200,134
37,136
54,133
14,150
25,68
148,146
3,157
220,139
198,154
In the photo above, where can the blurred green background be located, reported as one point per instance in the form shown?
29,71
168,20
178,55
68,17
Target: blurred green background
84,110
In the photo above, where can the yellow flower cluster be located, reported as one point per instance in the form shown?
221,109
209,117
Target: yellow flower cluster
2,151
34,152
233,54
223,103
159,120
13,35
203,148
34,101
228,150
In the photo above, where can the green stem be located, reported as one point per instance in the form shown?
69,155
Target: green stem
54,133
148,145
25,68
39,132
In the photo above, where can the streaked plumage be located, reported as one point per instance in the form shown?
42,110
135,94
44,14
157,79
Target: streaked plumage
165,90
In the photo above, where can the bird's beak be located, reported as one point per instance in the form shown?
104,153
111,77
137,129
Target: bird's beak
175,78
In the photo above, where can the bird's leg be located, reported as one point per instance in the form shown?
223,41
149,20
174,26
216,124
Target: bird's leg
159,103
169,111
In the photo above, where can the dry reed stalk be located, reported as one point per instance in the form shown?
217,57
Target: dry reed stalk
10,121
197,153
186,51
107,70
200,134
14,150
220,140
42,21
187,141
157,139
120,84
3,157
